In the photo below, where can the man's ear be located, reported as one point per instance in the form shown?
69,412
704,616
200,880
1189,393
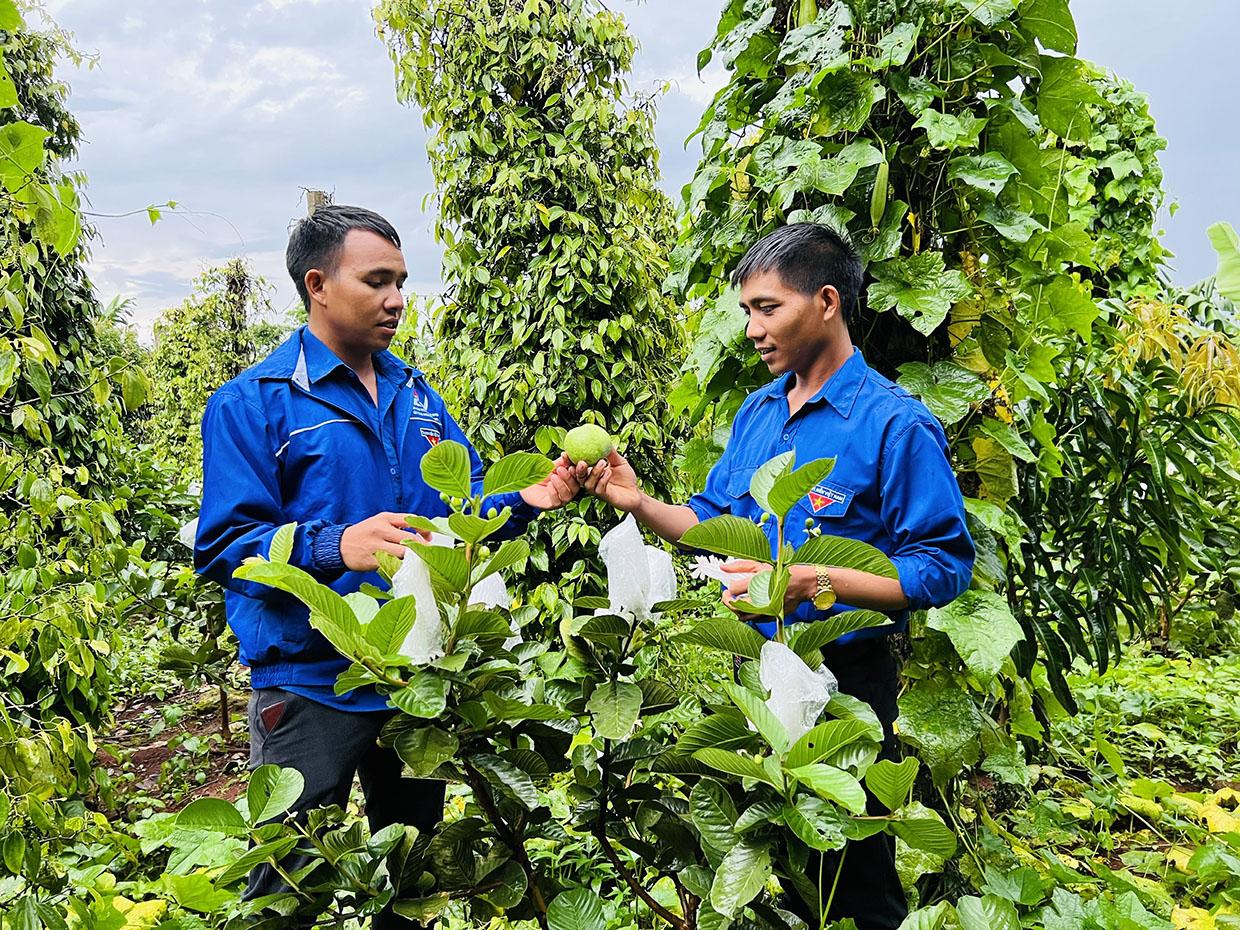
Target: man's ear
314,282
829,303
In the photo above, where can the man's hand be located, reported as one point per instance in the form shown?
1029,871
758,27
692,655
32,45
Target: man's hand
801,586
384,532
557,489
614,480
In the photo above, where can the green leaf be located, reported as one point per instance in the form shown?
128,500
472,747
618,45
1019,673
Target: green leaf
21,154
845,98
995,467
919,288
760,715
37,376
473,529
11,17
982,629
511,780
948,389
446,468
765,476
725,634
576,909
511,553
740,877
944,723
817,824
425,696
330,614
734,764
731,536
844,553
895,47
615,707
271,852
282,544
516,472
8,92
726,730
388,628
507,709
765,596
926,918
134,388
196,892
989,13
1050,22
1227,244
820,43
272,791
924,829
835,174
713,814
423,910
808,638
1063,96
1009,223
791,488
448,566
833,784
987,913
951,131
891,782
424,749
214,815
1006,435
827,739
482,624
988,172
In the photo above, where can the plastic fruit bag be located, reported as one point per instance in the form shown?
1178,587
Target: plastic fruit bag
638,576
798,693
425,640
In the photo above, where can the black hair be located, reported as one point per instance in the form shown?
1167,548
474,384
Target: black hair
317,240
808,257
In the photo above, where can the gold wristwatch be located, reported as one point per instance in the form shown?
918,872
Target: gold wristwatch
824,594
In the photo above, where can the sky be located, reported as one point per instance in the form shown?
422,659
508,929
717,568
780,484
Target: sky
232,108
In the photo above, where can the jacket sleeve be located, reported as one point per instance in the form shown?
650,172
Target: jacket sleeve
522,513
923,512
242,503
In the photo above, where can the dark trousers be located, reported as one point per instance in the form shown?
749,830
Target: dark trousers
328,746
869,889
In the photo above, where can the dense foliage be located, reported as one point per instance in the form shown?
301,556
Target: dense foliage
554,232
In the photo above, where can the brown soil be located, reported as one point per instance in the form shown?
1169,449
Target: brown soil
136,752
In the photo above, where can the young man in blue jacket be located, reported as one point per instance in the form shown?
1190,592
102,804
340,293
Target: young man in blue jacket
329,431
892,487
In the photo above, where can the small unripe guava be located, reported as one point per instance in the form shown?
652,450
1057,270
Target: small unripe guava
588,443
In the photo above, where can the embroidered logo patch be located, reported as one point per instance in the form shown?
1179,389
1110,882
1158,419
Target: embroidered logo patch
829,499
420,401
431,435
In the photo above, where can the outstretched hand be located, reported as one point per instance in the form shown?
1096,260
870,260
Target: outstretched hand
614,480
558,488
384,532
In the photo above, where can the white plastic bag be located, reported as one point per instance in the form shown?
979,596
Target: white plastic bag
798,693
425,640
187,533
492,592
638,576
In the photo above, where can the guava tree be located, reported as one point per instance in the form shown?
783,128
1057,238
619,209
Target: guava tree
688,801
553,227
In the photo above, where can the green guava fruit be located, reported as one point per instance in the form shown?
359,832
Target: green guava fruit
588,443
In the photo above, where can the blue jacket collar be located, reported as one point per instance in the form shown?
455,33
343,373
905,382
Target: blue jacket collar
304,360
840,390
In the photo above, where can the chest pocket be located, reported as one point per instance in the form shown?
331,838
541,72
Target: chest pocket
827,500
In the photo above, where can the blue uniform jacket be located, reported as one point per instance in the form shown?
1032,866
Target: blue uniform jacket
297,438
892,485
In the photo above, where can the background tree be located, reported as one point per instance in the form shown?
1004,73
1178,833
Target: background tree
220,330
553,228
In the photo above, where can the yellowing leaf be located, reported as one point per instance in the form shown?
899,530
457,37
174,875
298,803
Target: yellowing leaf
1192,918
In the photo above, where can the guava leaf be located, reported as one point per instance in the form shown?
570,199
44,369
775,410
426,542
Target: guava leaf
891,782
576,909
272,791
515,472
615,707
742,874
446,468
731,536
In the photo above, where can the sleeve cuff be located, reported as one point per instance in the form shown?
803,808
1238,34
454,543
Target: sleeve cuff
909,573
325,548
